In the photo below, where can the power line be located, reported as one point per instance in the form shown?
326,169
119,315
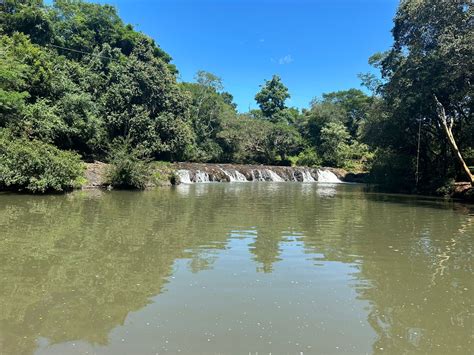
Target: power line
79,51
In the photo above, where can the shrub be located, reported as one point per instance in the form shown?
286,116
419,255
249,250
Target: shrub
334,144
129,168
308,157
36,166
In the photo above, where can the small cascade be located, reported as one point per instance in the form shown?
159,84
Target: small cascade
293,176
257,175
230,176
307,177
189,173
234,175
240,177
273,176
201,176
328,176
184,176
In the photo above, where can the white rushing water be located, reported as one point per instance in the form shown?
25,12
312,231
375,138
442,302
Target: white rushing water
184,176
239,176
257,175
233,175
294,177
328,176
202,176
274,176
307,177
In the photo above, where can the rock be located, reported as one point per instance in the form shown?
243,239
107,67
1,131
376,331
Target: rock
95,175
463,191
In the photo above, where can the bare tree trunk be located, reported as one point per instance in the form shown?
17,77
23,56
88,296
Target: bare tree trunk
448,129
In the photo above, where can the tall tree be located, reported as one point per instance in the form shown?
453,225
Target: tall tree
427,90
272,97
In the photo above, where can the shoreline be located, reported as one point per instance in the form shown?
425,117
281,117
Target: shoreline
163,174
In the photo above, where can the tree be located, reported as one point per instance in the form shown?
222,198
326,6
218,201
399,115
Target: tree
272,97
285,140
143,102
12,83
447,125
355,105
245,139
320,114
431,57
209,107
30,17
334,144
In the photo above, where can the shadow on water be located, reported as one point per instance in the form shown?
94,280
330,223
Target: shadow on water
75,268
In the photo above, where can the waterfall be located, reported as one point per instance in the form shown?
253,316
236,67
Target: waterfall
294,177
257,175
327,176
201,176
184,176
274,176
234,175
189,173
229,175
239,176
307,177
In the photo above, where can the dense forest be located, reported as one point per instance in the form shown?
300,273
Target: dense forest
78,84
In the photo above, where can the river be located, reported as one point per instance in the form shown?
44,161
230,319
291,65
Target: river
235,268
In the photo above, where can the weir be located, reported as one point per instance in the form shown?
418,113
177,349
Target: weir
188,173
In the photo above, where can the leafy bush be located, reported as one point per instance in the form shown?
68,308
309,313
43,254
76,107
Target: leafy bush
36,166
335,144
308,157
129,168
359,158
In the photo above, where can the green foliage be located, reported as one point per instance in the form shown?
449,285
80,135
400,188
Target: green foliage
432,54
272,97
143,102
334,144
129,168
348,108
210,106
308,157
359,158
30,17
12,82
246,140
354,105
285,140
389,169
34,166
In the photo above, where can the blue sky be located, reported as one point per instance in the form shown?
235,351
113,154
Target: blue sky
315,46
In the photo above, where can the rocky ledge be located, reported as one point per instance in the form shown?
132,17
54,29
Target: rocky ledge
195,172
186,173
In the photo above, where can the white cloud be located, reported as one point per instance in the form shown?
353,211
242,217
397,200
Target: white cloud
287,59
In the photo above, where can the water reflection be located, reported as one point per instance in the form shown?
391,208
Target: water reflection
282,266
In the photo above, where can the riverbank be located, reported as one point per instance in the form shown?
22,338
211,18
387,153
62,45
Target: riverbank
463,191
167,174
